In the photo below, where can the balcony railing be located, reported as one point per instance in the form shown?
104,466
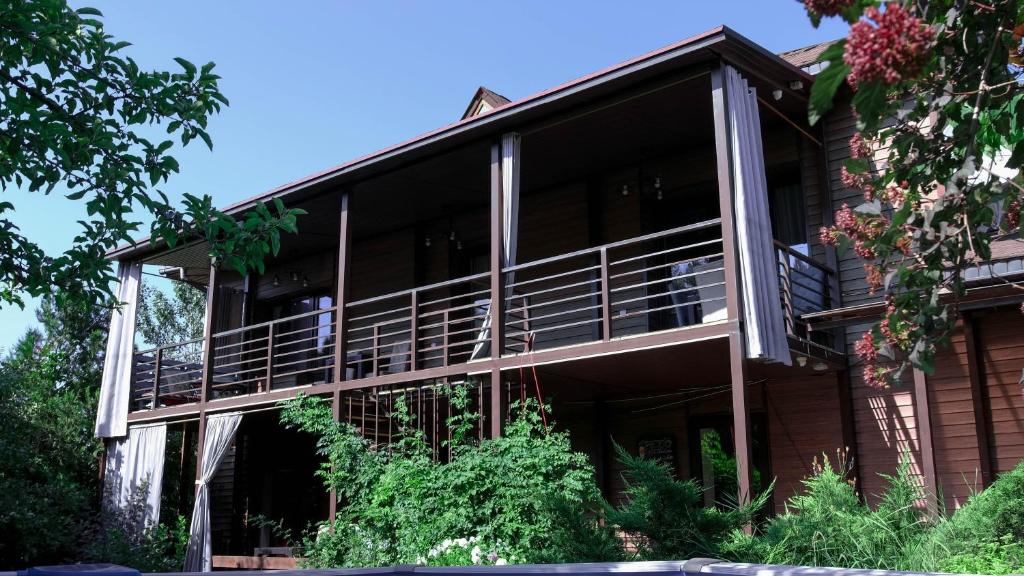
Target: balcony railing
662,281
805,286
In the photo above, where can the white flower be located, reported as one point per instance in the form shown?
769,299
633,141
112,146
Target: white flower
446,544
462,542
420,560
500,562
475,554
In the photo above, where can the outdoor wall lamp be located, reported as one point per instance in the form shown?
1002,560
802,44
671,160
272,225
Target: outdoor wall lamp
777,94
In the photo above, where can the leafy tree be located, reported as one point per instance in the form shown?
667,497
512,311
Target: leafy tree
48,457
75,112
164,319
937,92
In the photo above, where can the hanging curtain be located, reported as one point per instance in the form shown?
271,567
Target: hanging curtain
510,144
135,472
115,387
220,431
759,286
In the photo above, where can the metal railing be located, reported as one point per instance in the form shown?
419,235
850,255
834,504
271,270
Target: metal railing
661,281
168,375
430,326
669,279
805,286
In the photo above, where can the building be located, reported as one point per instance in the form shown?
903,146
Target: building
638,246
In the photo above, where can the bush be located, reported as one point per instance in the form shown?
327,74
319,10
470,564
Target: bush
828,525
121,536
665,518
395,506
984,535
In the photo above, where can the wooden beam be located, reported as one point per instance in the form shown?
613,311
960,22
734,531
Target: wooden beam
212,304
342,288
922,412
733,302
979,400
498,405
497,286
848,426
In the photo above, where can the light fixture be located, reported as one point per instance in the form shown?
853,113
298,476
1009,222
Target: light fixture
458,245
657,186
277,280
796,85
777,94
451,235
801,361
305,281
625,189
295,276
427,242
820,366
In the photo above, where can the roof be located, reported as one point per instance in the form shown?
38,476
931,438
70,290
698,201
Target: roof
484,100
806,58
721,41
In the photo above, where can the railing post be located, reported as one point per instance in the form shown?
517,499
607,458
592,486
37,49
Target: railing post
375,343
444,338
497,307
786,284
414,322
156,378
212,303
341,299
606,295
270,356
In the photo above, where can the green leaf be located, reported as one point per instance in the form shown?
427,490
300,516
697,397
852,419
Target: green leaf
189,67
823,91
870,100
87,11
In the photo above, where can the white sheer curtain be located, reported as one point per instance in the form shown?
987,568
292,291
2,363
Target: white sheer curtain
762,308
509,231
136,463
220,431
115,387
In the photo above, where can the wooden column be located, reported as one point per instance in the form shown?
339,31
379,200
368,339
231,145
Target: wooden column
979,399
212,303
497,286
733,301
341,297
332,504
923,417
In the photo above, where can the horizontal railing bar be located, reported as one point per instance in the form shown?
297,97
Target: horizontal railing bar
667,251
167,346
659,309
666,293
807,259
471,278
301,341
572,272
665,265
217,365
554,289
665,280
455,309
242,343
299,351
303,371
558,327
425,303
548,303
329,325
535,319
619,244
294,362
279,320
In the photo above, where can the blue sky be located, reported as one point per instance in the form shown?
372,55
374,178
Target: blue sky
313,84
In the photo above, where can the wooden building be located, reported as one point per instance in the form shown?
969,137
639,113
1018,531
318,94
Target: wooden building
615,273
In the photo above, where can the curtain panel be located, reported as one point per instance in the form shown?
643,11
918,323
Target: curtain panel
510,145
759,287
220,432
135,472
115,387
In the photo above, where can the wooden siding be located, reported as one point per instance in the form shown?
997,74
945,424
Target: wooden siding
1002,362
802,427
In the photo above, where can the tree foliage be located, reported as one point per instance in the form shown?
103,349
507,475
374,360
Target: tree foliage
936,87
79,116
167,319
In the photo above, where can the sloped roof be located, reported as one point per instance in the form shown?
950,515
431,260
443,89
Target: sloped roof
806,58
484,100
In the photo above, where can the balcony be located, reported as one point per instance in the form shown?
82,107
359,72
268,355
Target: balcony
667,283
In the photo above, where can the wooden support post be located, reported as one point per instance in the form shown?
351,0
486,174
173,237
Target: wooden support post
497,288
497,255
341,297
979,399
733,302
156,378
414,329
606,295
923,417
212,304
333,501
270,357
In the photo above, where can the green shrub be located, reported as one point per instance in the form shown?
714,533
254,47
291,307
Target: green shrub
828,525
665,517
121,536
986,531
395,506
